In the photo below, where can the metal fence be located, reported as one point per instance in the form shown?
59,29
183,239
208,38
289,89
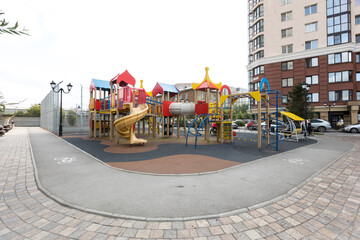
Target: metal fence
74,121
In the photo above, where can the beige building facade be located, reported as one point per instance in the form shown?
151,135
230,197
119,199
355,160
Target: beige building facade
312,41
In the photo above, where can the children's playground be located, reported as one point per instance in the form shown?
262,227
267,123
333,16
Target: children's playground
157,132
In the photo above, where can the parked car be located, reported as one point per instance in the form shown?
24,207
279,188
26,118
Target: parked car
320,125
354,128
252,125
234,125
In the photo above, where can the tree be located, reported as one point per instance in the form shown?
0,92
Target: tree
5,28
71,117
2,103
34,110
296,102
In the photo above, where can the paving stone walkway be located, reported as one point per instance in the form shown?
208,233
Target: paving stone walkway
326,207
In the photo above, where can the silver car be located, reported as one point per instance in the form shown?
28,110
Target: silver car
355,128
320,125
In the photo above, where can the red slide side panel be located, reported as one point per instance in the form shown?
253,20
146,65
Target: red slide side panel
166,105
97,105
201,108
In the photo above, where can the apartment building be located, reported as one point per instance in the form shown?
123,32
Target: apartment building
312,41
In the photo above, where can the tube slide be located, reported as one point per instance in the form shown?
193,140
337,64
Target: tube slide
123,125
177,108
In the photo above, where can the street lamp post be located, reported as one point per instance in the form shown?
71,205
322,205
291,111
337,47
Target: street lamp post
306,88
329,111
61,90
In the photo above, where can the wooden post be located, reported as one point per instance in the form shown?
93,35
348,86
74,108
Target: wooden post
207,133
143,121
185,133
178,120
100,115
131,127
90,117
221,129
163,118
117,135
95,117
168,119
231,119
259,124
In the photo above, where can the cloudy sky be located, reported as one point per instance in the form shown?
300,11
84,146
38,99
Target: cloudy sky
166,41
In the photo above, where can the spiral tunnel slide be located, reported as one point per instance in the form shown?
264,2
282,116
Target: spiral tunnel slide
124,125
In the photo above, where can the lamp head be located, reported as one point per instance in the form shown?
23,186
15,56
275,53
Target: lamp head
325,104
52,84
69,87
334,103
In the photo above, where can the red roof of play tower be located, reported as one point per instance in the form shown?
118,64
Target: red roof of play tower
124,79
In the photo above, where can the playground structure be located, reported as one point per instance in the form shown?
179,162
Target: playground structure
119,105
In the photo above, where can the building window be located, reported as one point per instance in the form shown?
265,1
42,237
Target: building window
357,2
313,97
284,99
313,44
283,2
258,27
310,9
358,58
186,97
311,62
337,6
357,19
259,42
286,16
258,12
311,27
344,76
256,2
214,97
287,66
286,32
314,79
256,86
287,82
287,48
338,24
339,38
202,96
357,38
358,76
357,95
342,57
259,55
340,95
258,70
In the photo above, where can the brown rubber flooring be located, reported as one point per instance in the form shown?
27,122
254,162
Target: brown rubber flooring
171,156
177,164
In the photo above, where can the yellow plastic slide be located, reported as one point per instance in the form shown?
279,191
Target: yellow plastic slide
124,125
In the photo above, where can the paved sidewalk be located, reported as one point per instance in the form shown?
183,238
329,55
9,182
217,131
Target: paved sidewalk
326,207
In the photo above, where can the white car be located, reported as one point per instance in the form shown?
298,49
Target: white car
355,128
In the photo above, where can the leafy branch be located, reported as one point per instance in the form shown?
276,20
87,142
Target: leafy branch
5,28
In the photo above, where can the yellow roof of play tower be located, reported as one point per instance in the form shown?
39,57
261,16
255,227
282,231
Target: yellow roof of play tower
206,83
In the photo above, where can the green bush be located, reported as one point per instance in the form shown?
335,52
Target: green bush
71,117
240,123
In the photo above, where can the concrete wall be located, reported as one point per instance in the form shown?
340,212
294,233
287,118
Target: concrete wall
26,121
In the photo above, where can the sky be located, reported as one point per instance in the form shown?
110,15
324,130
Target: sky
166,41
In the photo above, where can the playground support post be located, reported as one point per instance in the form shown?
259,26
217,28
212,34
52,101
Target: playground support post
168,119
267,120
178,120
259,124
